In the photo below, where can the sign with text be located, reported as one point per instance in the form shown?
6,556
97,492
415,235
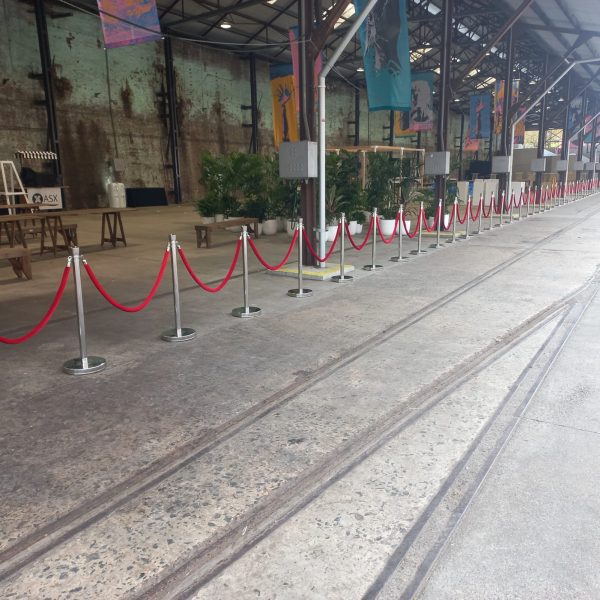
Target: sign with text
46,198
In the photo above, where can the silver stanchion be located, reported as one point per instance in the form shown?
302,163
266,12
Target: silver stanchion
300,291
84,364
373,266
179,333
492,208
439,226
342,278
480,213
520,205
400,227
510,207
535,197
468,217
502,199
421,217
246,310
454,219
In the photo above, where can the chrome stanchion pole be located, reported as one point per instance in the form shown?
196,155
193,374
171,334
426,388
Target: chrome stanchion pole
84,364
300,291
468,217
510,208
400,227
246,310
421,217
502,208
492,208
342,278
455,218
535,197
480,213
373,266
178,334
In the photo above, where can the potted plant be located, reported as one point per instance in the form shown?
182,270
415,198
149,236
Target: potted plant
382,171
218,181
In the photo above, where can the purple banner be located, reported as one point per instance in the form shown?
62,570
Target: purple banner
127,22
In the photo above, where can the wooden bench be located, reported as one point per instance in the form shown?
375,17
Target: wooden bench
20,259
204,232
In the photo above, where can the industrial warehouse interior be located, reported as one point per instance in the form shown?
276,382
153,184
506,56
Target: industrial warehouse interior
299,299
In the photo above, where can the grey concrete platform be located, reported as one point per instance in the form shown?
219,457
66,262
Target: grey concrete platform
426,431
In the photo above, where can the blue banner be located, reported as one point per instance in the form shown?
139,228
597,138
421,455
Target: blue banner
384,42
480,116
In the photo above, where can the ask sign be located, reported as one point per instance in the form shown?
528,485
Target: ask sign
46,198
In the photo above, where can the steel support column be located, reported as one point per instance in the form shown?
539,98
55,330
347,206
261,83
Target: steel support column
506,140
542,125
173,120
46,64
461,144
357,116
253,105
579,174
564,152
444,93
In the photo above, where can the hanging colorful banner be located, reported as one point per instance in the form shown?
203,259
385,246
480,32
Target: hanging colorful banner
402,123
499,102
480,116
520,129
384,42
470,144
285,124
127,22
575,113
421,109
294,43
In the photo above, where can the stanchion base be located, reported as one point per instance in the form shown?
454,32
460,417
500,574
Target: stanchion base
373,267
398,258
245,313
171,335
75,366
342,279
303,293
417,252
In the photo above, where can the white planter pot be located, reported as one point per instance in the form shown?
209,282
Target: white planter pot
219,218
331,231
387,227
446,221
408,228
290,226
269,227
352,225
259,228
359,228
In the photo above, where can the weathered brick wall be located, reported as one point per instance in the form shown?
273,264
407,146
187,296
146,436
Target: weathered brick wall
107,104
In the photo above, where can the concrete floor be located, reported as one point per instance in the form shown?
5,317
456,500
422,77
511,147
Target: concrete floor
426,431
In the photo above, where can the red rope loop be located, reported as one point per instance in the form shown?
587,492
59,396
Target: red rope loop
57,298
264,262
475,216
356,246
414,233
311,249
435,221
199,282
390,239
464,219
129,309
451,218
489,212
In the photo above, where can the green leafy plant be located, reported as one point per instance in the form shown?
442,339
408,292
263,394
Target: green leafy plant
381,173
217,178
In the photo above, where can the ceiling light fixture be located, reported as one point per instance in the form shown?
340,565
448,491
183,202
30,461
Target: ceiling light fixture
225,25
360,69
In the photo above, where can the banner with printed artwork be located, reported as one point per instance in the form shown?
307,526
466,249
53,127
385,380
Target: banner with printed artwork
421,109
470,144
520,129
285,123
384,42
128,22
480,115
499,105
575,115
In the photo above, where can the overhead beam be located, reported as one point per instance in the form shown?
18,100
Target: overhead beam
217,12
495,39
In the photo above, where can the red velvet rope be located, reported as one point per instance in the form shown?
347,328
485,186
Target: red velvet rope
435,220
311,249
451,219
198,281
129,309
463,220
390,239
356,246
57,298
475,216
414,233
264,262
488,213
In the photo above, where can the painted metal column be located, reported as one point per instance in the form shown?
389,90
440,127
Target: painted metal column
580,137
46,64
461,146
173,121
542,125
564,152
357,116
444,93
506,140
